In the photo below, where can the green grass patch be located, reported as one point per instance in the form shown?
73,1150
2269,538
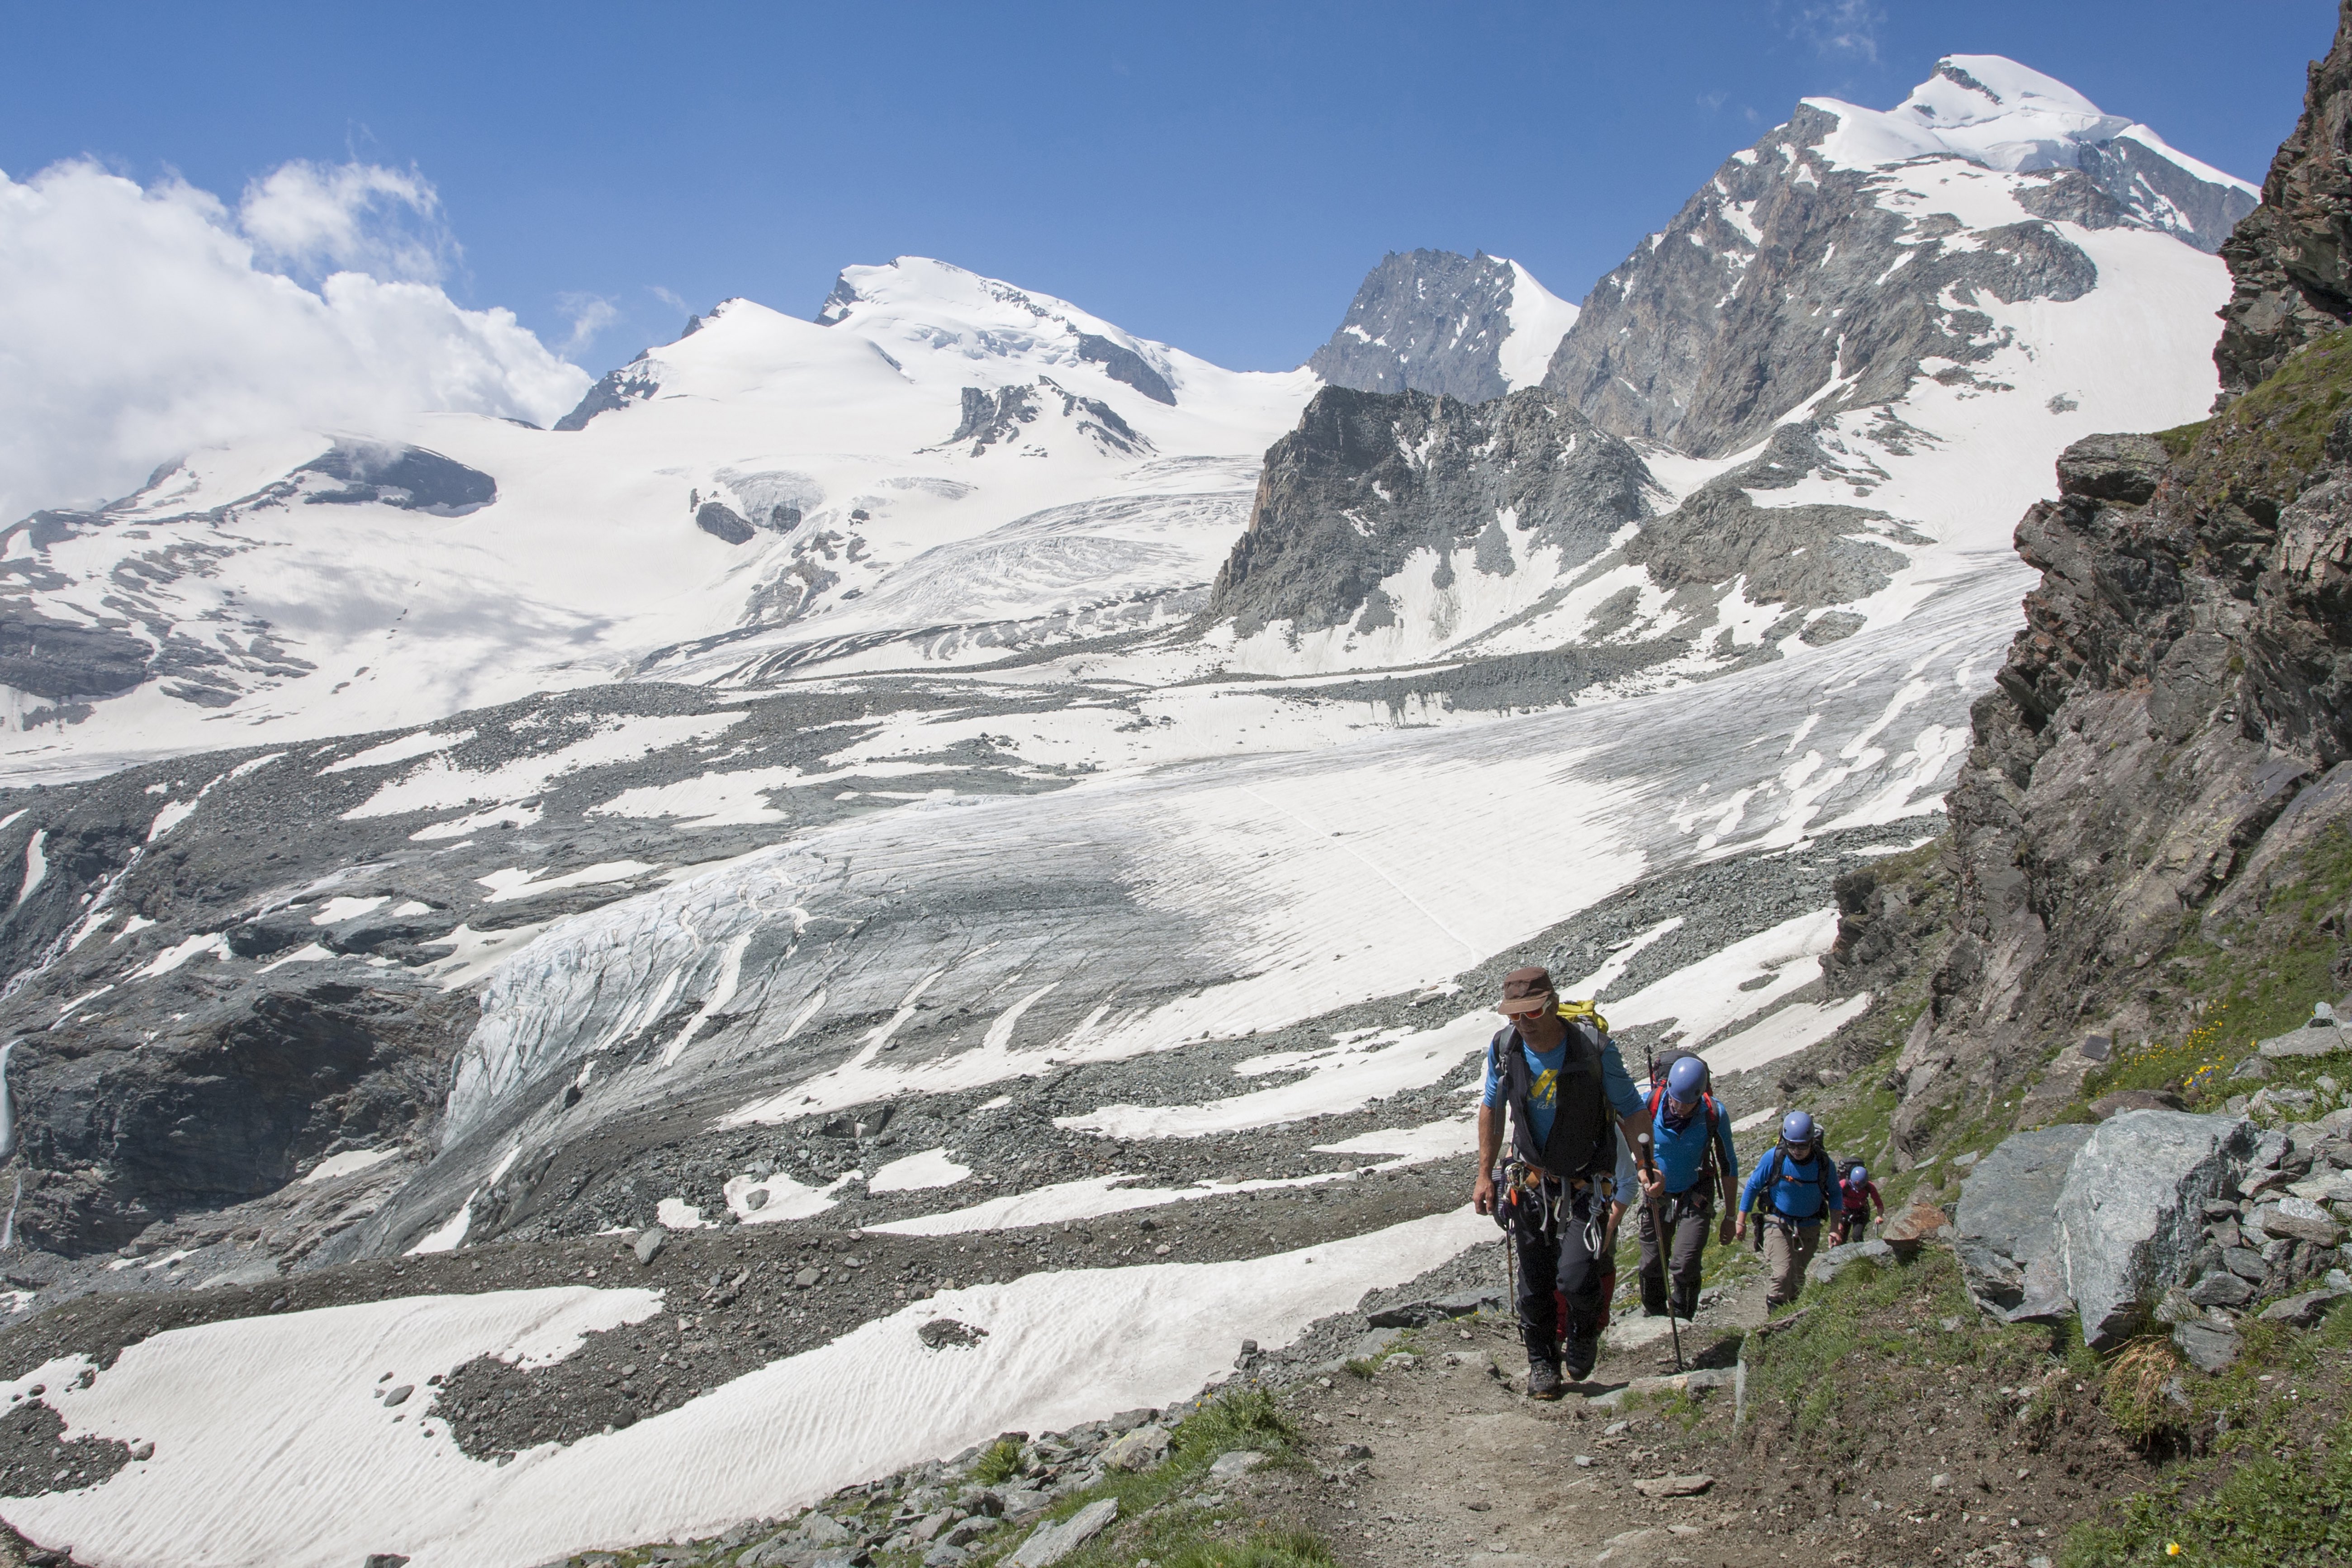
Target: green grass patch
2268,1512
2272,442
999,1464
2181,439
1869,1338
1159,1517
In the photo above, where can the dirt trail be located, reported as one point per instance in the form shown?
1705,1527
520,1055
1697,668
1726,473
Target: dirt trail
1462,1467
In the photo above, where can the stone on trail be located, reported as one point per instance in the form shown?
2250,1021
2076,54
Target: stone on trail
2320,1037
2223,1289
2131,1213
1238,1463
1914,1227
2004,1225
650,1241
1049,1543
1673,1486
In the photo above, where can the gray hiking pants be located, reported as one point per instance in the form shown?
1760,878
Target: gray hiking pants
1559,1273
1688,1217
1788,1248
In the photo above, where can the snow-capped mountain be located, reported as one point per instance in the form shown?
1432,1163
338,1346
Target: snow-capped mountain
1847,363
1471,327
763,483
919,787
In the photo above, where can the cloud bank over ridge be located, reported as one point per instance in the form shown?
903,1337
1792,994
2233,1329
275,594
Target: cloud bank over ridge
138,323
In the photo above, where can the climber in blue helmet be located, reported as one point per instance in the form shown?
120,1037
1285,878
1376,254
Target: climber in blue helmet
1690,1137
1789,1193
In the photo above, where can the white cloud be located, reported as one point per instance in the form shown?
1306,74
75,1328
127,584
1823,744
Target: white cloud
137,324
361,218
1842,26
590,313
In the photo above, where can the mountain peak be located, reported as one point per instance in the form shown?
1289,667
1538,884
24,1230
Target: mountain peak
1472,327
1991,110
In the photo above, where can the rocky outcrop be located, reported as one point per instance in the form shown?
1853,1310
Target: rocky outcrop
1803,556
1368,480
2290,260
409,477
1424,320
2005,1229
2130,1219
1791,269
614,390
60,660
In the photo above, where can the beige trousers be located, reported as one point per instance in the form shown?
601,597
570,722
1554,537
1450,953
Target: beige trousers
1787,1251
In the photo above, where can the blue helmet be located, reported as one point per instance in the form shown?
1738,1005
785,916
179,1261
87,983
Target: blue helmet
1686,1078
1860,1174
1796,1128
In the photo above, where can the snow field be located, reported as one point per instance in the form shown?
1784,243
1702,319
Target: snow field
270,1448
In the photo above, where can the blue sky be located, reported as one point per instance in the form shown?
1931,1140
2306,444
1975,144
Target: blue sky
1218,176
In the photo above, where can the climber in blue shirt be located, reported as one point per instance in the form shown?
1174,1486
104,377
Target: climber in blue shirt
1691,1143
1790,1191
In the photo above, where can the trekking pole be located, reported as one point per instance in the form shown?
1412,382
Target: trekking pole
1666,1260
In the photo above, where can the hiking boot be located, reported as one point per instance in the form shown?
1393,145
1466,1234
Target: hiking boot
1543,1381
1580,1351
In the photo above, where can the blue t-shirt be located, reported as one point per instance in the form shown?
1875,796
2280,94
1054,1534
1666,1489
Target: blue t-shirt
1543,1088
1798,1194
1681,1155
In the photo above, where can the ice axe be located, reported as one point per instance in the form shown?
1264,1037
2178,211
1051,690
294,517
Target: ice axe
1665,1252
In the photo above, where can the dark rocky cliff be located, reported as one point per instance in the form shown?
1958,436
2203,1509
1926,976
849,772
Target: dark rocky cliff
1368,478
1424,320
2158,782
2290,259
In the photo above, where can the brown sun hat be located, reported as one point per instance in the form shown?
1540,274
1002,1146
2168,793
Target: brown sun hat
1524,991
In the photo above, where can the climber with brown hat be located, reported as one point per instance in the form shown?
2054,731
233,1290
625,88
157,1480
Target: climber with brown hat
1569,1095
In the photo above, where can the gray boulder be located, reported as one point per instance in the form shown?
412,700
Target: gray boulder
2319,1038
1049,1543
2003,1231
1829,1265
2131,1213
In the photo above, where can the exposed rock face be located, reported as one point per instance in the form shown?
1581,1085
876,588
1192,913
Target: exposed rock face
1812,256
409,477
1782,273
616,389
60,660
1802,556
2292,258
1424,320
1368,480
2171,730
996,418
1124,364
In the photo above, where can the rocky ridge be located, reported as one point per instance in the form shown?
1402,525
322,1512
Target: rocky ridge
1792,270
